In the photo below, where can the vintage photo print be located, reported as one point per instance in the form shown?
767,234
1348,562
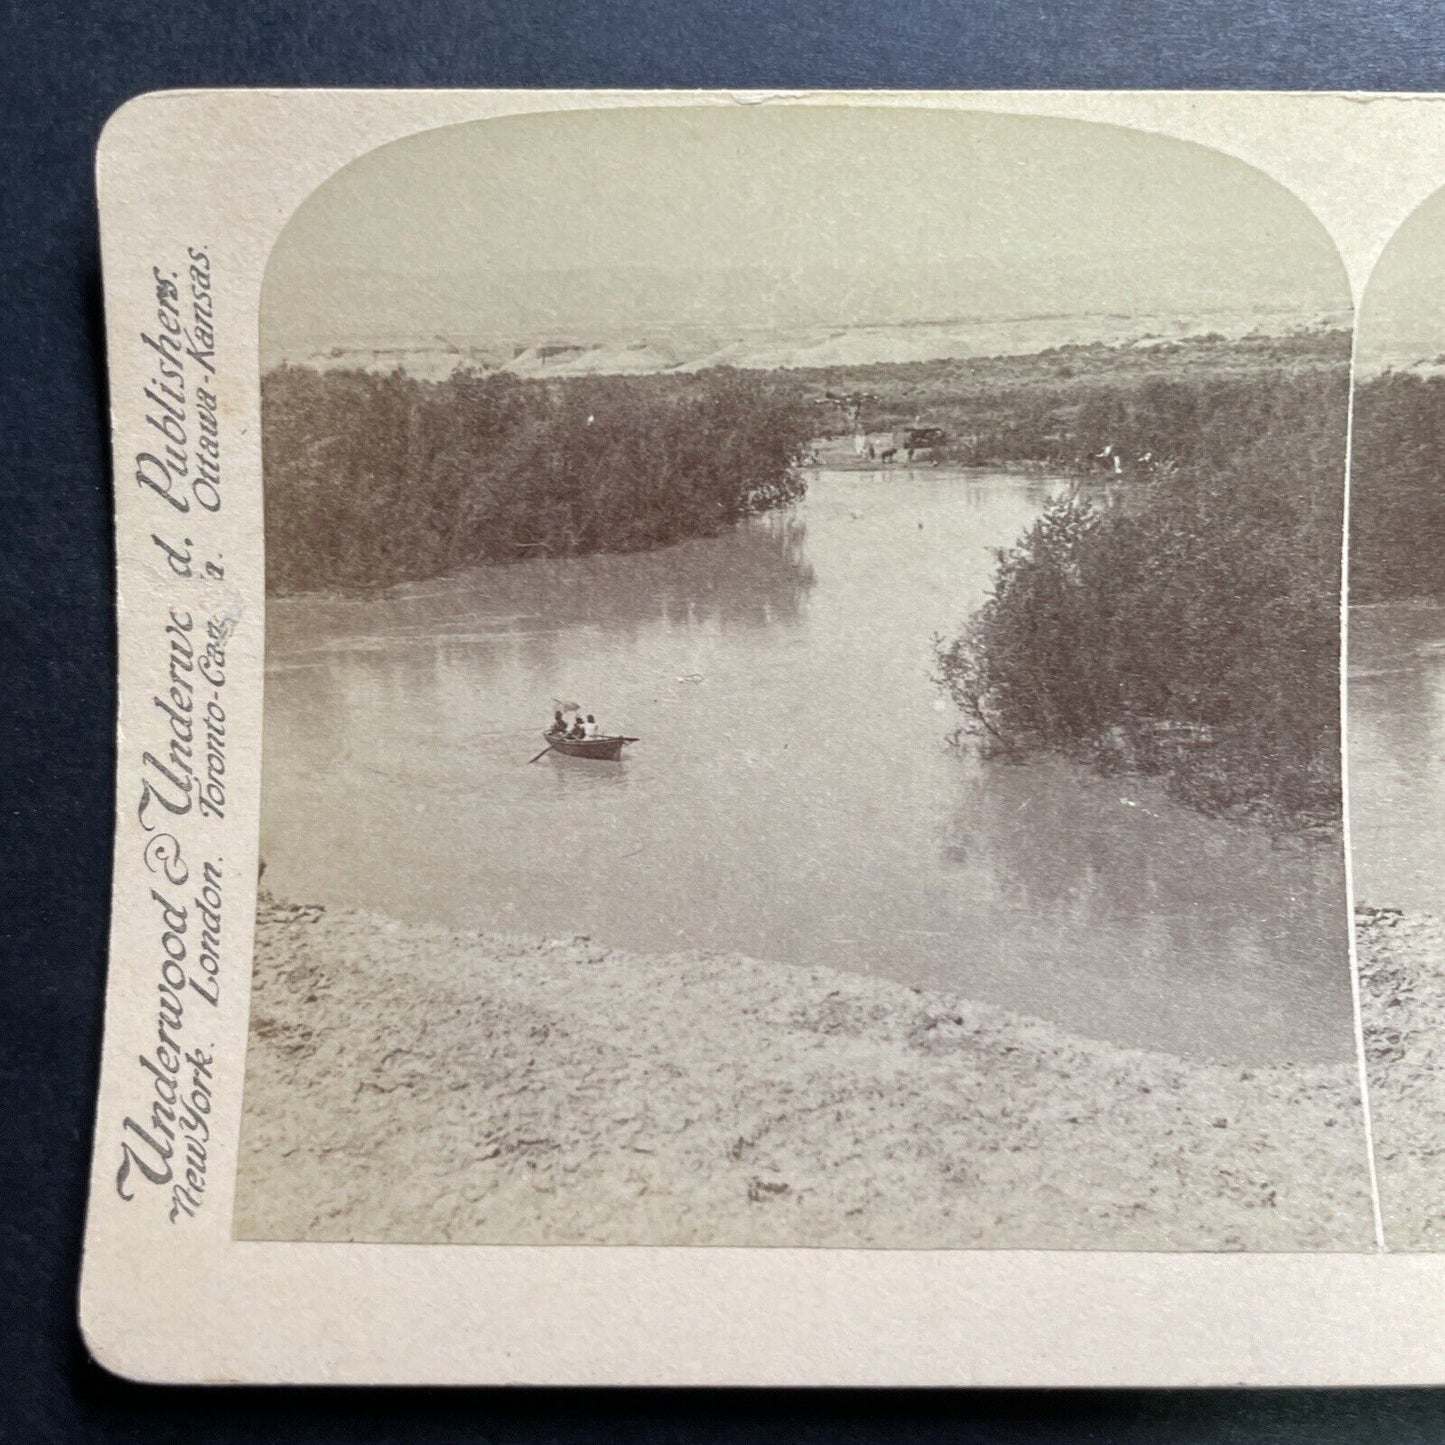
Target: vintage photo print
734,708
1397,711
923,592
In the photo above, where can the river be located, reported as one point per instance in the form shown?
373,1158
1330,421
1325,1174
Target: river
1397,756
793,795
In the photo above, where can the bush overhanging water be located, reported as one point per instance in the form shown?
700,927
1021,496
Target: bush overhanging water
1186,625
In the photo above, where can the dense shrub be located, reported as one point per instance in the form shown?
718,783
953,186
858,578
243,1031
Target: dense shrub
1397,489
371,479
1189,626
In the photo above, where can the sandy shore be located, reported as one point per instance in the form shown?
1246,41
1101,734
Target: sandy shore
413,1084
1402,999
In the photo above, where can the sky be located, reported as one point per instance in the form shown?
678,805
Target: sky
601,225
1402,313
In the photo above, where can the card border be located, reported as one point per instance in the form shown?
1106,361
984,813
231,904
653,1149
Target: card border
370,1314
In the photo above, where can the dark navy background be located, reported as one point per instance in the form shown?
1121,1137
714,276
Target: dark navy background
65,67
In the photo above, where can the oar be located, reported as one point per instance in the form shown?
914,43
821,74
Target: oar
542,754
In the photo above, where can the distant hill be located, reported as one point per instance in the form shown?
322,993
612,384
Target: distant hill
800,348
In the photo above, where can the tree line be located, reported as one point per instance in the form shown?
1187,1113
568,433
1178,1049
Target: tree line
374,479
1163,420
1185,401
1186,624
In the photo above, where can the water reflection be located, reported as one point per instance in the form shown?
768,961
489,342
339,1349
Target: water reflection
759,577
1063,856
1397,756
792,796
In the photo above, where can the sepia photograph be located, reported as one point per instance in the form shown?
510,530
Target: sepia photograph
802,698
1397,719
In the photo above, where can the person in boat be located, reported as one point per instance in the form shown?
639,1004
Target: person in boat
590,728
559,726
575,733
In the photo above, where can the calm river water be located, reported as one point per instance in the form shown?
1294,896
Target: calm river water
1397,756
792,796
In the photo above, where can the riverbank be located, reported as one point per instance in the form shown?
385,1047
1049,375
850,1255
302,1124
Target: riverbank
409,1083
1402,999
837,454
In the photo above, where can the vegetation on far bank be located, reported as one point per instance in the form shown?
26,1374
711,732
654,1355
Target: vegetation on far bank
375,479
1397,489
1186,400
1188,626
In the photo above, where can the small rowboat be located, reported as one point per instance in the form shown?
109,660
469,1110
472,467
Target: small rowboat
607,750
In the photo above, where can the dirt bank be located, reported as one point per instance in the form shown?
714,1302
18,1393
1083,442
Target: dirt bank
1402,1001
413,1084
